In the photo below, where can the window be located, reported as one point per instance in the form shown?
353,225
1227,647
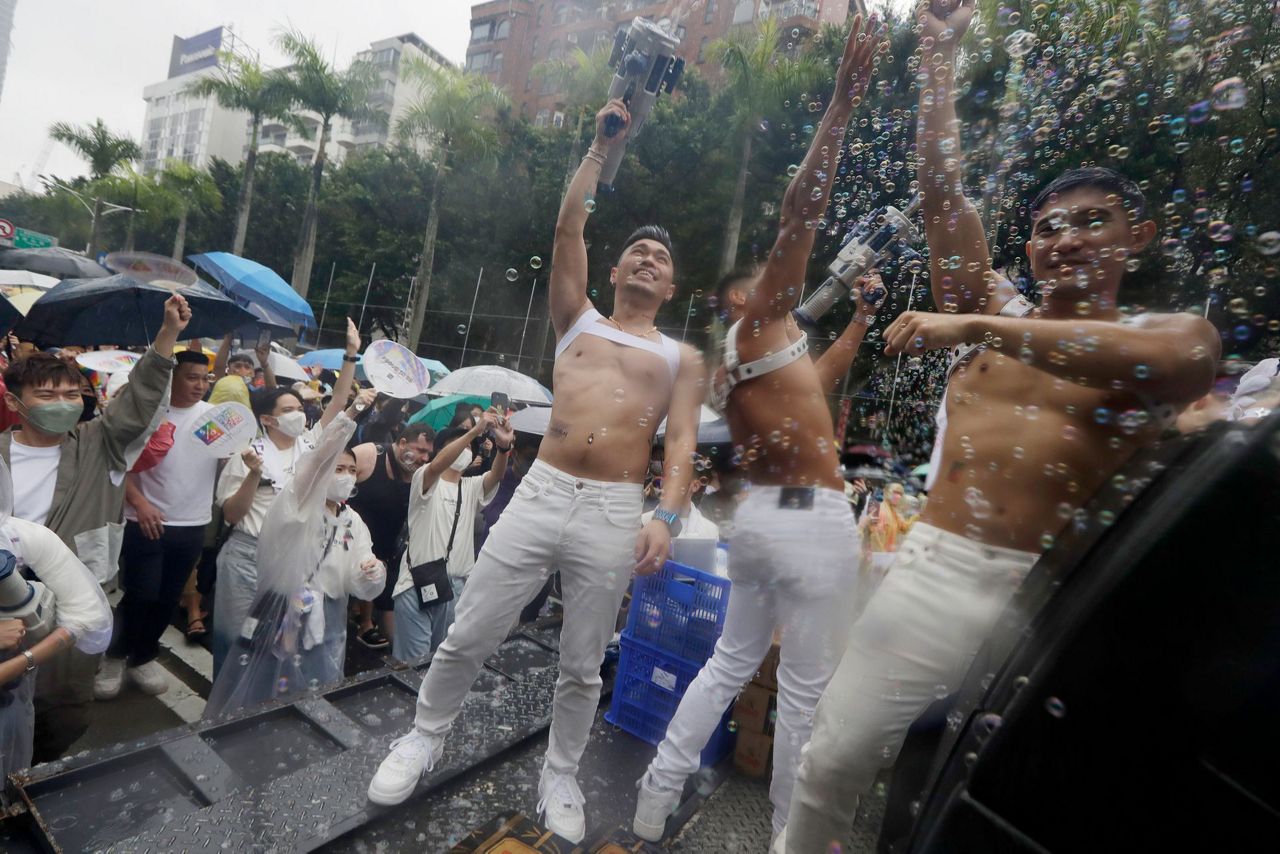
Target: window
496,64
745,11
557,120
560,15
702,50
480,31
680,33
571,38
502,30
540,120
709,11
478,61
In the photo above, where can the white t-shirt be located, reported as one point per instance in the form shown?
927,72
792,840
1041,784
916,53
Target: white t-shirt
277,470
431,520
181,484
35,474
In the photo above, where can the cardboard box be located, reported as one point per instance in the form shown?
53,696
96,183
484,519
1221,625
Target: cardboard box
767,676
752,712
753,754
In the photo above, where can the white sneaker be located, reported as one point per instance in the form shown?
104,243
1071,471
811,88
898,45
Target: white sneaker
561,805
411,756
150,678
653,807
106,685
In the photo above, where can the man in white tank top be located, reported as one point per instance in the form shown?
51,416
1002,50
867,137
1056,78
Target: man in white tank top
578,509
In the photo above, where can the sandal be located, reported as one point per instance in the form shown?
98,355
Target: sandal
196,629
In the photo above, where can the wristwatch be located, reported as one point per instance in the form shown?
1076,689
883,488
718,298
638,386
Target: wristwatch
671,519
351,359
501,449
31,661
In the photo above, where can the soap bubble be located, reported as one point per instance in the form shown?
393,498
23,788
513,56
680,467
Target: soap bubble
536,262
1268,243
512,275
1230,94
462,329
1020,42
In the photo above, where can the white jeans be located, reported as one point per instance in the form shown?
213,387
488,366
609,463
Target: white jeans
793,569
913,644
587,531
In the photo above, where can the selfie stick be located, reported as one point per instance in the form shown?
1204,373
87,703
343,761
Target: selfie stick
645,65
884,233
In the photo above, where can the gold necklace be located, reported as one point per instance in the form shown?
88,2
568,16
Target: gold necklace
651,330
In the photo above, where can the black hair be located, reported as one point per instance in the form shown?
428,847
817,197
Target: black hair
410,432
1100,178
449,434
656,233
240,359
727,282
264,402
190,357
39,370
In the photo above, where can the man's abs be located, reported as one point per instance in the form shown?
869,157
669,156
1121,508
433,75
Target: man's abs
609,401
1023,451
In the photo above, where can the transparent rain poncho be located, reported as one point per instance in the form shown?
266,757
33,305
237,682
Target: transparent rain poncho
80,607
268,659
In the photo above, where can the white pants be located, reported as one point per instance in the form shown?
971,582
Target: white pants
793,569
913,644
587,531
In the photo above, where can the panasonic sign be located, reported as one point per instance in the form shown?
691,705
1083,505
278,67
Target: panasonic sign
194,53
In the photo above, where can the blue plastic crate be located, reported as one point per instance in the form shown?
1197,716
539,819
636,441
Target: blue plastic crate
647,692
680,610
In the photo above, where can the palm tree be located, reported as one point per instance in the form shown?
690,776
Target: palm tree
315,85
104,150
758,78
581,77
454,113
131,189
243,84
187,187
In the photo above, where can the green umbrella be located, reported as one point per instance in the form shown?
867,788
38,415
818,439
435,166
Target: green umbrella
439,412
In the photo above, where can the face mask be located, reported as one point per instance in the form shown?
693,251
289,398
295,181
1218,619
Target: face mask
59,417
292,424
463,460
340,487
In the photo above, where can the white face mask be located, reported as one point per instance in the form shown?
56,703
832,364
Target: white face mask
463,460
292,424
340,487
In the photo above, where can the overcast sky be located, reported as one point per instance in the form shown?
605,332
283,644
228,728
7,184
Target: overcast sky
77,60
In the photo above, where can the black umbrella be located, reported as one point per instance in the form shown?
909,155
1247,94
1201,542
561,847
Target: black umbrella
53,261
8,315
122,310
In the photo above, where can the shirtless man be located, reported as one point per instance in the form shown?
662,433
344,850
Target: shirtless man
578,508
1047,405
794,552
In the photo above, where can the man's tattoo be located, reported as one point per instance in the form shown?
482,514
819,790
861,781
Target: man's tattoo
558,429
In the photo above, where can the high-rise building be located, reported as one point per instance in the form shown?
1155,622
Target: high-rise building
510,37
393,95
180,126
7,8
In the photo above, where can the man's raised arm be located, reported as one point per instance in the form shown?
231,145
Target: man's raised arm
960,260
806,198
569,255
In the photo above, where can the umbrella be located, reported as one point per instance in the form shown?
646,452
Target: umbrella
283,366
331,360
9,315
265,319
251,282
439,412
484,380
26,279
532,420
712,429
22,297
53,261
149,267
122,310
